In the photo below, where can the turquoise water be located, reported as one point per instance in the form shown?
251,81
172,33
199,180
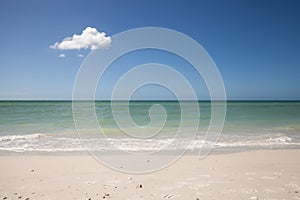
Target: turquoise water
49,126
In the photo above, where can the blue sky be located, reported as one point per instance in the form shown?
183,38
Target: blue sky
255,44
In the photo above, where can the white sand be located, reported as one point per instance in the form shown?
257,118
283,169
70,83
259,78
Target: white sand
272,174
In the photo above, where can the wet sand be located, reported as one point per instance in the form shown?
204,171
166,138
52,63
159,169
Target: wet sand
265,174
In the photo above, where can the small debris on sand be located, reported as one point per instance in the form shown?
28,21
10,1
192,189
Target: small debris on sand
168,196
106,195
139,186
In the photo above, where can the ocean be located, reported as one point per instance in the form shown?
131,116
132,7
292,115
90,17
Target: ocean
48,126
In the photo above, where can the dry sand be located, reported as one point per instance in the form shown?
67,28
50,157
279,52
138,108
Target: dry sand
269,174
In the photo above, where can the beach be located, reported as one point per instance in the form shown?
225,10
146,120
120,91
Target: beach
44,155
150,100
262,174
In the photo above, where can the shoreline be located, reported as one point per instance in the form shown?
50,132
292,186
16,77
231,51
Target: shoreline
195,152
257,174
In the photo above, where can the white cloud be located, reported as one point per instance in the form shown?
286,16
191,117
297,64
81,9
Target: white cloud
80,55
62,55
89,38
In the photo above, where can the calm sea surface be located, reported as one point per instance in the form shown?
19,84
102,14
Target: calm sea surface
48,126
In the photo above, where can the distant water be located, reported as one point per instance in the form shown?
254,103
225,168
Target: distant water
48,126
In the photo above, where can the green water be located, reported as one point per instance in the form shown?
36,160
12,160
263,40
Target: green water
247,122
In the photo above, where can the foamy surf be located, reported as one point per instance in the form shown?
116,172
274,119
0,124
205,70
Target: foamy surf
48,143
